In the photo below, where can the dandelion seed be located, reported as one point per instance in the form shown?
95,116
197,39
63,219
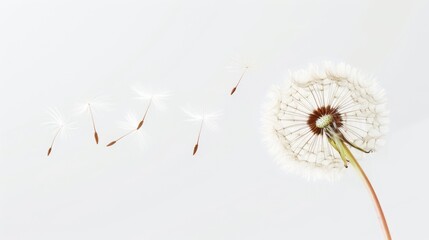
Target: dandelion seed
311,123
240,64
129,125
99,103
93,123
205,119
239,80
59,125
154,99
198,139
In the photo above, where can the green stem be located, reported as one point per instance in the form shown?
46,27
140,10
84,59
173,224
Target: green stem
368,184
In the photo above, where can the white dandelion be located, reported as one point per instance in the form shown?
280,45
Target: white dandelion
89,106
204,119
311,123
242,65
59,125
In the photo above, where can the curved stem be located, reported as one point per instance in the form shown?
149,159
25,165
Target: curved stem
368,184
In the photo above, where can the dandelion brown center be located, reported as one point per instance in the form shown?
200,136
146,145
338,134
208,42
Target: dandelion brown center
323,117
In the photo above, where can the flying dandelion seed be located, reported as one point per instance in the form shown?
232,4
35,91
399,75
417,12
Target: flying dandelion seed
59,125
240,64
239,80
311,123
154,100
98,102
93,122
205,119
129,125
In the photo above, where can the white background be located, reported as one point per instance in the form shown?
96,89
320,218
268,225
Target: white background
149,186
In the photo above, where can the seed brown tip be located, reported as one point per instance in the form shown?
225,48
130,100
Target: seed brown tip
96,137
233,90
140,124
49,151
110,144
195,149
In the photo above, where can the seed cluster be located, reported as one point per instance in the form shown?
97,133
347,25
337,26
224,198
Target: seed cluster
321,112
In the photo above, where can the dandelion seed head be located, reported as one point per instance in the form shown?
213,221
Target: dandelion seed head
313,99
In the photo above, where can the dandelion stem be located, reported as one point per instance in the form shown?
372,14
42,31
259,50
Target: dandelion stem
144,116
368,184
53,140
239,80
93,123
198,139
